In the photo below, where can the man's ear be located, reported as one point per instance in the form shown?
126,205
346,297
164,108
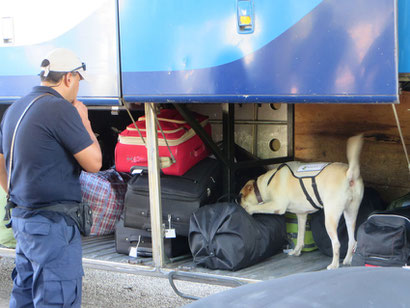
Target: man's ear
68,79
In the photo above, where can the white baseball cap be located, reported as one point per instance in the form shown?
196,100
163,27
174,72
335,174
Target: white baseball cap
63,60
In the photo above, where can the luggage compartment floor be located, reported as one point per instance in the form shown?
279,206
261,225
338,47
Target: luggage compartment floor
102,248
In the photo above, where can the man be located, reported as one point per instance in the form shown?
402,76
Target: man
54,140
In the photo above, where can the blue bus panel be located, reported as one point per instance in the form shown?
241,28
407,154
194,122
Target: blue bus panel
404,36
30,30
260,51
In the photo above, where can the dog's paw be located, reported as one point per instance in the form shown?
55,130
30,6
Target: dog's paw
295,252
332,266
347,262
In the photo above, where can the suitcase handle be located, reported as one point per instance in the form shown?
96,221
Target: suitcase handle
164,162
136,238
198,151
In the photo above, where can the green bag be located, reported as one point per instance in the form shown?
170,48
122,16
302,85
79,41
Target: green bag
292,231
6,235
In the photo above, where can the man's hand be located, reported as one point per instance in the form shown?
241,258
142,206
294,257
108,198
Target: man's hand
90,158
82,111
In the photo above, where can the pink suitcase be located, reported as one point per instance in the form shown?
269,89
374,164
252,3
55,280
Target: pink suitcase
186,146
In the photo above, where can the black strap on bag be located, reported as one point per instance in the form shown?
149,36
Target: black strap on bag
10,204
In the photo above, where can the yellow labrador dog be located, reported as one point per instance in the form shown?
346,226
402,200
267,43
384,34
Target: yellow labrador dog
305,188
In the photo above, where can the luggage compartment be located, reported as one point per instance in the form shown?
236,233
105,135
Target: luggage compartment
312,142
319,140
100,252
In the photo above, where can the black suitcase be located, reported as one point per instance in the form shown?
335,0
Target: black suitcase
125,238
180,196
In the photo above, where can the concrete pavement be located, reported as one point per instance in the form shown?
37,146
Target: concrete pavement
111,289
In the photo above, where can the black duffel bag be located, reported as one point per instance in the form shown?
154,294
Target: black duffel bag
224,236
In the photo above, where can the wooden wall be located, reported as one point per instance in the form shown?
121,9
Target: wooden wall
321,131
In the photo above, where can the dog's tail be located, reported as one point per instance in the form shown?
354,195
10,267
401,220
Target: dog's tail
354,147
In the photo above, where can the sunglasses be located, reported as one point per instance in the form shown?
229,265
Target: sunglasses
83,66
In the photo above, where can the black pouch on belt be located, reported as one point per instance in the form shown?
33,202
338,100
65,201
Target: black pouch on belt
83,217
81,213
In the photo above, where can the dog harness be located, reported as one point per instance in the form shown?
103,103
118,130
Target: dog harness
302,172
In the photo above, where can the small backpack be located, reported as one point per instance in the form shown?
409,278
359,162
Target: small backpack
384,239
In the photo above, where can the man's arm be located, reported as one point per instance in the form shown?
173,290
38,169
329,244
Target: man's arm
90,159
3,173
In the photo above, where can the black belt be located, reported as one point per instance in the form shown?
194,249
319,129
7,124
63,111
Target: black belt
64,208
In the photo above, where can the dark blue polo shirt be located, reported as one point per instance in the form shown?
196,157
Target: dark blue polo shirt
44,170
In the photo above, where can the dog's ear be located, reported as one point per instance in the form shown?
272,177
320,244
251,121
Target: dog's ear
247,189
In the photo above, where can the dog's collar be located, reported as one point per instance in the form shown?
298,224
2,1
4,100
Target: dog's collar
257,193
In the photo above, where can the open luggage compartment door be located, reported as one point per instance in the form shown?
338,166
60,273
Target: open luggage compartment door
29,30
315,51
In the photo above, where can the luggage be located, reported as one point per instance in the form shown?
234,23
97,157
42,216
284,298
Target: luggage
181,196
224,236
384,239
104,192
185,145
125,238
371,202
292,231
